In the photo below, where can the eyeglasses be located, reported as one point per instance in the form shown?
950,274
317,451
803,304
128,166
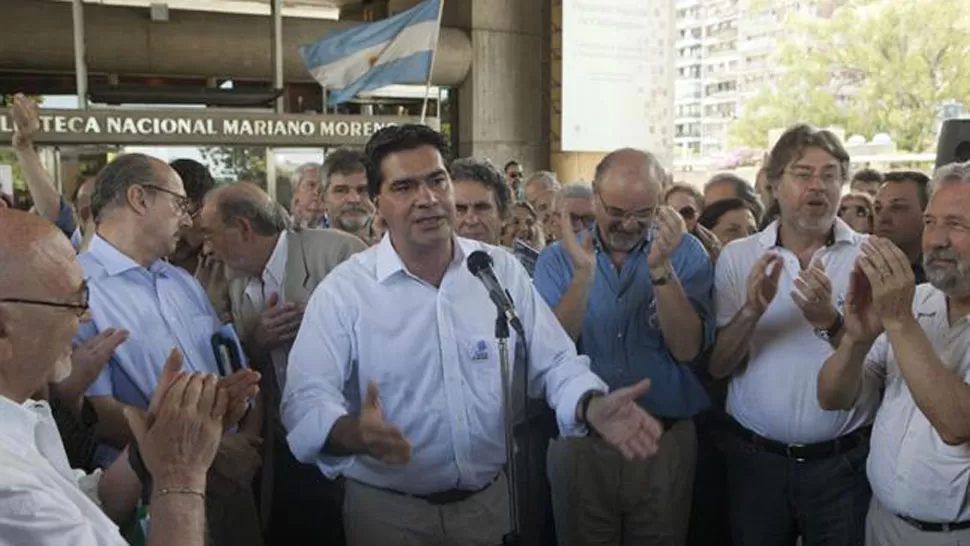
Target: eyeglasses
181,201
619,215
687,212
79,308
829,178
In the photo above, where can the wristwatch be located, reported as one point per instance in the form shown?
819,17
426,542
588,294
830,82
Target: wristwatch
662,279
827,334
584,404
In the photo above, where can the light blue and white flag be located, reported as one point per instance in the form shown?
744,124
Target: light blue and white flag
395,50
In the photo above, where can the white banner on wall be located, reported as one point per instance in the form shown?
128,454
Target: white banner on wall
614,73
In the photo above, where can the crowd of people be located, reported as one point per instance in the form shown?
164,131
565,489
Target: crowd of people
748,364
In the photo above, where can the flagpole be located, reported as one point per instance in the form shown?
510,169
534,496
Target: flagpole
434,52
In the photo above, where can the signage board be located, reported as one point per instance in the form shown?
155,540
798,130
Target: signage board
203,128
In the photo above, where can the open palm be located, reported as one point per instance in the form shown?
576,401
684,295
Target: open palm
860,319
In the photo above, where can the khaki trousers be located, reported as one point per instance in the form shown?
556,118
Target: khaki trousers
885,529
600,498
374,517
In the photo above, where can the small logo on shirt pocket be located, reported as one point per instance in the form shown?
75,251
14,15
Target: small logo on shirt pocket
479,350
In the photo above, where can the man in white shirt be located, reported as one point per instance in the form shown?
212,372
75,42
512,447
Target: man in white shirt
42,500
394,377
273,272
793,469
918,351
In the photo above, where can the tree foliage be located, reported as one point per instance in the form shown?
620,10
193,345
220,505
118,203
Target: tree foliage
233,164
874,66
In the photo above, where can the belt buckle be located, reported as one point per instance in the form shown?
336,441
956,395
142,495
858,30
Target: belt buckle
945,528
791,455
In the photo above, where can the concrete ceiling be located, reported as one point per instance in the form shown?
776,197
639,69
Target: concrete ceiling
322,9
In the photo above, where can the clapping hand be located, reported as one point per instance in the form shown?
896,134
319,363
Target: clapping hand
861,321
813,295
710,241
670,229
383,441
87,361
891,278
763,282
26,121
580,250
620,420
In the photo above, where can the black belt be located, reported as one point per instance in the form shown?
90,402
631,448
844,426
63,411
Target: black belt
804,452
450,496
930,527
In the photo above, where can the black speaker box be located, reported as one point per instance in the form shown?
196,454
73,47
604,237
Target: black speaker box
954,145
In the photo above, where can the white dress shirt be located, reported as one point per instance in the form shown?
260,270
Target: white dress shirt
776,394
912,471
432,353
272,281
42,500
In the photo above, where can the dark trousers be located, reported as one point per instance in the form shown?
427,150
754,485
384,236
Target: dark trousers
709,523
306,506
775,499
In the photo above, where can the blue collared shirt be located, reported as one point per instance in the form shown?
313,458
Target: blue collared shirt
621,333
161,307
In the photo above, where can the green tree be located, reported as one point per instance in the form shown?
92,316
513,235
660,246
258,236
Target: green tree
232,164
874,66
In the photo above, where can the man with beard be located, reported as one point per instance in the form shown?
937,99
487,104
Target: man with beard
793,469
394,377
913,344
899,214
273,272
634,292
141,210
343,181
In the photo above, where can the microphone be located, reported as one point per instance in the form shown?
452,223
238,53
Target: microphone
480,264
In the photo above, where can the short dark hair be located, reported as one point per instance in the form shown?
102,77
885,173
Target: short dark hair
742,189
266,217
483,172
396,138
195,177
116,177
922,182
868,176
792,145
341,161
714,211
510,164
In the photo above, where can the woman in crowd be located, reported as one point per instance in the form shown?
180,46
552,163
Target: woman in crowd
729,219
857,211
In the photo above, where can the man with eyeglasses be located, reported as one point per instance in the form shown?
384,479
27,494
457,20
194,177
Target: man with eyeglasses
142,211
793,468
634,293
43,501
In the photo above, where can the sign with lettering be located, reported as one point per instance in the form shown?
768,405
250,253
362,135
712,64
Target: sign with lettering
203,128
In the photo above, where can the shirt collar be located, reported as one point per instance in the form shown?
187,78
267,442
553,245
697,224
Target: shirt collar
389,262
18,422
770,237
116,262
276,265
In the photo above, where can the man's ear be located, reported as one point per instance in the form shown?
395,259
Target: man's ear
136,197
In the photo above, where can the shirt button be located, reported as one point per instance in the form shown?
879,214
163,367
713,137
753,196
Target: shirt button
619,336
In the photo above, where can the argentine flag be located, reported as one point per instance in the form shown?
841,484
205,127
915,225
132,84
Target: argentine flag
373,55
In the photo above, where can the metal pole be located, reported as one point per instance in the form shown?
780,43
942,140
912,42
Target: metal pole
80,66
502,334
276,14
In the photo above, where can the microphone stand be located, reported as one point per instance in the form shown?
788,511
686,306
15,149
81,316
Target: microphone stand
502,335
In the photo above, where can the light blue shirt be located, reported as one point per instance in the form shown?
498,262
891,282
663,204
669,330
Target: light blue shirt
621,331
162,307
432,353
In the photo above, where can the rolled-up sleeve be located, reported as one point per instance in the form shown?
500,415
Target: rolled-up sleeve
552,274
554,365
696,275
319,365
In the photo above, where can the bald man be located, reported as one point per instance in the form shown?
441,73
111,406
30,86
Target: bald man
273,271
635,289
42,500
141,208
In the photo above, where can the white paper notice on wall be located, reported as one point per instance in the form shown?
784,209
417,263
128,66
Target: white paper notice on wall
6,179
617,74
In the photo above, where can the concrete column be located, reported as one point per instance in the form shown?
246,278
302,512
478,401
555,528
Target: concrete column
503,103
